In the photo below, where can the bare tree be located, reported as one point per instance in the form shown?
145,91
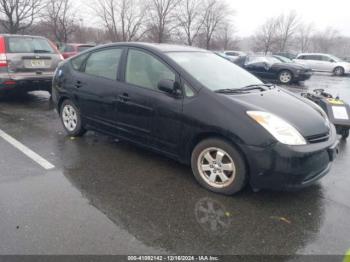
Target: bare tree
18,15
161,18
216,13
325,40
286,28
132,16
189,15
124,19
60,18
266,36
225,38
304,36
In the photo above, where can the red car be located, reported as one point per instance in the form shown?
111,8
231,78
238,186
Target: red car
69,50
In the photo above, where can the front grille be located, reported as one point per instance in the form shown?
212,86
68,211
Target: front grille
318,138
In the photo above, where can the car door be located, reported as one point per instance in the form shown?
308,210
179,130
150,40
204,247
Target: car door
326,64
96,88
145,114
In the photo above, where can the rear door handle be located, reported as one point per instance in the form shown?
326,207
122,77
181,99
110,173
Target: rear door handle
124,97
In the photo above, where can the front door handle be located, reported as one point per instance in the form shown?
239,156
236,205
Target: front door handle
78,84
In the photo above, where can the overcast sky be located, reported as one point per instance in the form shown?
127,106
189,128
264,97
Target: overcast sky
250,14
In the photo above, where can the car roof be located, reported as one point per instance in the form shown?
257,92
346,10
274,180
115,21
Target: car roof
163,48
15,35
313,54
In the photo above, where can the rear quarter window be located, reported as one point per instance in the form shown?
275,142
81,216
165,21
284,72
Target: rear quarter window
78,61
29,45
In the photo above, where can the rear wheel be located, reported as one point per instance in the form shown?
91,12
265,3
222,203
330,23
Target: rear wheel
285,77
71,118
339,71
219,167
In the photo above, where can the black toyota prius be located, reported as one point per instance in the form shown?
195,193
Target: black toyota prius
199,109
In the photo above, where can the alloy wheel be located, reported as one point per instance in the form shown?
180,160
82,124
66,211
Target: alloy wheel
216,167
69,117
285,77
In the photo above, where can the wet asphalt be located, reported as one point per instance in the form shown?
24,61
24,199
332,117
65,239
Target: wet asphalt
108,197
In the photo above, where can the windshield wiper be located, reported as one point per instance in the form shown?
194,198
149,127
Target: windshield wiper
261,87
229,91
41,51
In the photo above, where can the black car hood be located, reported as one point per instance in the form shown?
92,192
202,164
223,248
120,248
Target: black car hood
291,66
306,119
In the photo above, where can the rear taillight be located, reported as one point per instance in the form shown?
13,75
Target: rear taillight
3,58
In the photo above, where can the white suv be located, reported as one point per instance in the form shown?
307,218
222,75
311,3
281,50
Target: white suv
324,63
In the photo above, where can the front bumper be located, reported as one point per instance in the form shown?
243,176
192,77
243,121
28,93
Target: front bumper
283,167
303,76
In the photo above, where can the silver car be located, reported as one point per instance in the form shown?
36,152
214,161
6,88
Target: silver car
324,63
27,63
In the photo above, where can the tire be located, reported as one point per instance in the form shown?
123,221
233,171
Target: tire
285,77
345,133
219,167
71,118
339,71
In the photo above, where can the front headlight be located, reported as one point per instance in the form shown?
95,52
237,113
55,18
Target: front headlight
278,128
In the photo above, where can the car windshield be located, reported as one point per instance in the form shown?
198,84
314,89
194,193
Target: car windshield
214,72
29,45
284,59
261,59
336,59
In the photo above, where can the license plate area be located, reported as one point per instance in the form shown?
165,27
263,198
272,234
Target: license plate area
37,63
340,113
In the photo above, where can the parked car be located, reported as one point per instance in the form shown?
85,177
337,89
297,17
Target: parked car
69,50
223,55
270,68
234,55
27,63
284,59
324,63
195,107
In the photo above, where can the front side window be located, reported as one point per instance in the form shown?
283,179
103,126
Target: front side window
29,45
144,70
104,63
212,71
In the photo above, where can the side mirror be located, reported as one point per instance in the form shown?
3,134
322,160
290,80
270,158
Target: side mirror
168,86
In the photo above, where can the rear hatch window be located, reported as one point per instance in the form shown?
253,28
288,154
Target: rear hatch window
29,45
31,55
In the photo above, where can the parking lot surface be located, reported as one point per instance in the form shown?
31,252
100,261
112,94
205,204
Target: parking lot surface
107,197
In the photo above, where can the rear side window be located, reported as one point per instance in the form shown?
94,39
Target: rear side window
104,63
28,45
68,48
145,70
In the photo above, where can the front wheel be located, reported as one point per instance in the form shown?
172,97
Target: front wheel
285,77
339,71
71,119
219,167
345,133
